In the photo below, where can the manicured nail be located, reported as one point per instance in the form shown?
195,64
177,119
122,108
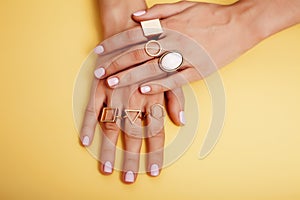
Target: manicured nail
108,167
182,118
154,171
113,81
145,89
99,72
86,141
139,13
99,49
129,177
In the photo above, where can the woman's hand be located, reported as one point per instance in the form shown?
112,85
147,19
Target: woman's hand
225,32
125,107
116,16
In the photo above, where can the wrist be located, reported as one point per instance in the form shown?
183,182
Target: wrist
267,17
116,15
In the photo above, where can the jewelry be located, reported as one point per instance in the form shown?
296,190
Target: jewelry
157,111
138,114
170,61
151,27
150,47
110,115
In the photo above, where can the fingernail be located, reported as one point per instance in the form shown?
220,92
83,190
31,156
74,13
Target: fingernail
113,81
99,49
182,118
145,89
129,177
154,171
86,141
107,167
99,72
139,13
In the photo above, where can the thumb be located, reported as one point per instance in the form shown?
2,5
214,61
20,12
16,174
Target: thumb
161,11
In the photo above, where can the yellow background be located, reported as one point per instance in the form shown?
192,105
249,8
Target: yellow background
43,44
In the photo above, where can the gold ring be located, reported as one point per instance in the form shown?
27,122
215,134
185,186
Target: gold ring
110,115
157,50
157,111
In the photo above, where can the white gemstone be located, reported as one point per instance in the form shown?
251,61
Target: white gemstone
151,27
171,61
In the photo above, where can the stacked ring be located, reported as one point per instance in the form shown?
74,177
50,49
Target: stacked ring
170,61
110,115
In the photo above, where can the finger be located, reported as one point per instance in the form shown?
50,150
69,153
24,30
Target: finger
110,134
133,142
92,110
175,106
124,61
155,153
124,39
146,71
160,11
155,137
174,81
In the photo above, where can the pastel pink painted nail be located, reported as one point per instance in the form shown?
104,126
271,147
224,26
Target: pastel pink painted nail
99,72
129,177
113,81
99,49
86,141
154,171
182,118
145,89
107,167
139,13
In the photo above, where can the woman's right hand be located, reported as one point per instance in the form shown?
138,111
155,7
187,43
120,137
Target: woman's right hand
224,32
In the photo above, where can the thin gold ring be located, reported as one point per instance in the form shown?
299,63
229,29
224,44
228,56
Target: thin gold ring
153,54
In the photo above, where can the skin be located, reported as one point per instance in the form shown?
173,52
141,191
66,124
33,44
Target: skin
116,17
225,32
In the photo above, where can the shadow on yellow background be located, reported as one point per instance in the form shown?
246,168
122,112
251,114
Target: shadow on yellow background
43,44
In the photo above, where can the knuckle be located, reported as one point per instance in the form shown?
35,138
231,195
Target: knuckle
90,113
130,35
90,110
110,128
113,67
133,35
155,130
160,87
132,159
153,67
138,55
108,150
134,134
127,78
170,23
175,83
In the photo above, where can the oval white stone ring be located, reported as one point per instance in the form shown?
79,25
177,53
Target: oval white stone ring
170,61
